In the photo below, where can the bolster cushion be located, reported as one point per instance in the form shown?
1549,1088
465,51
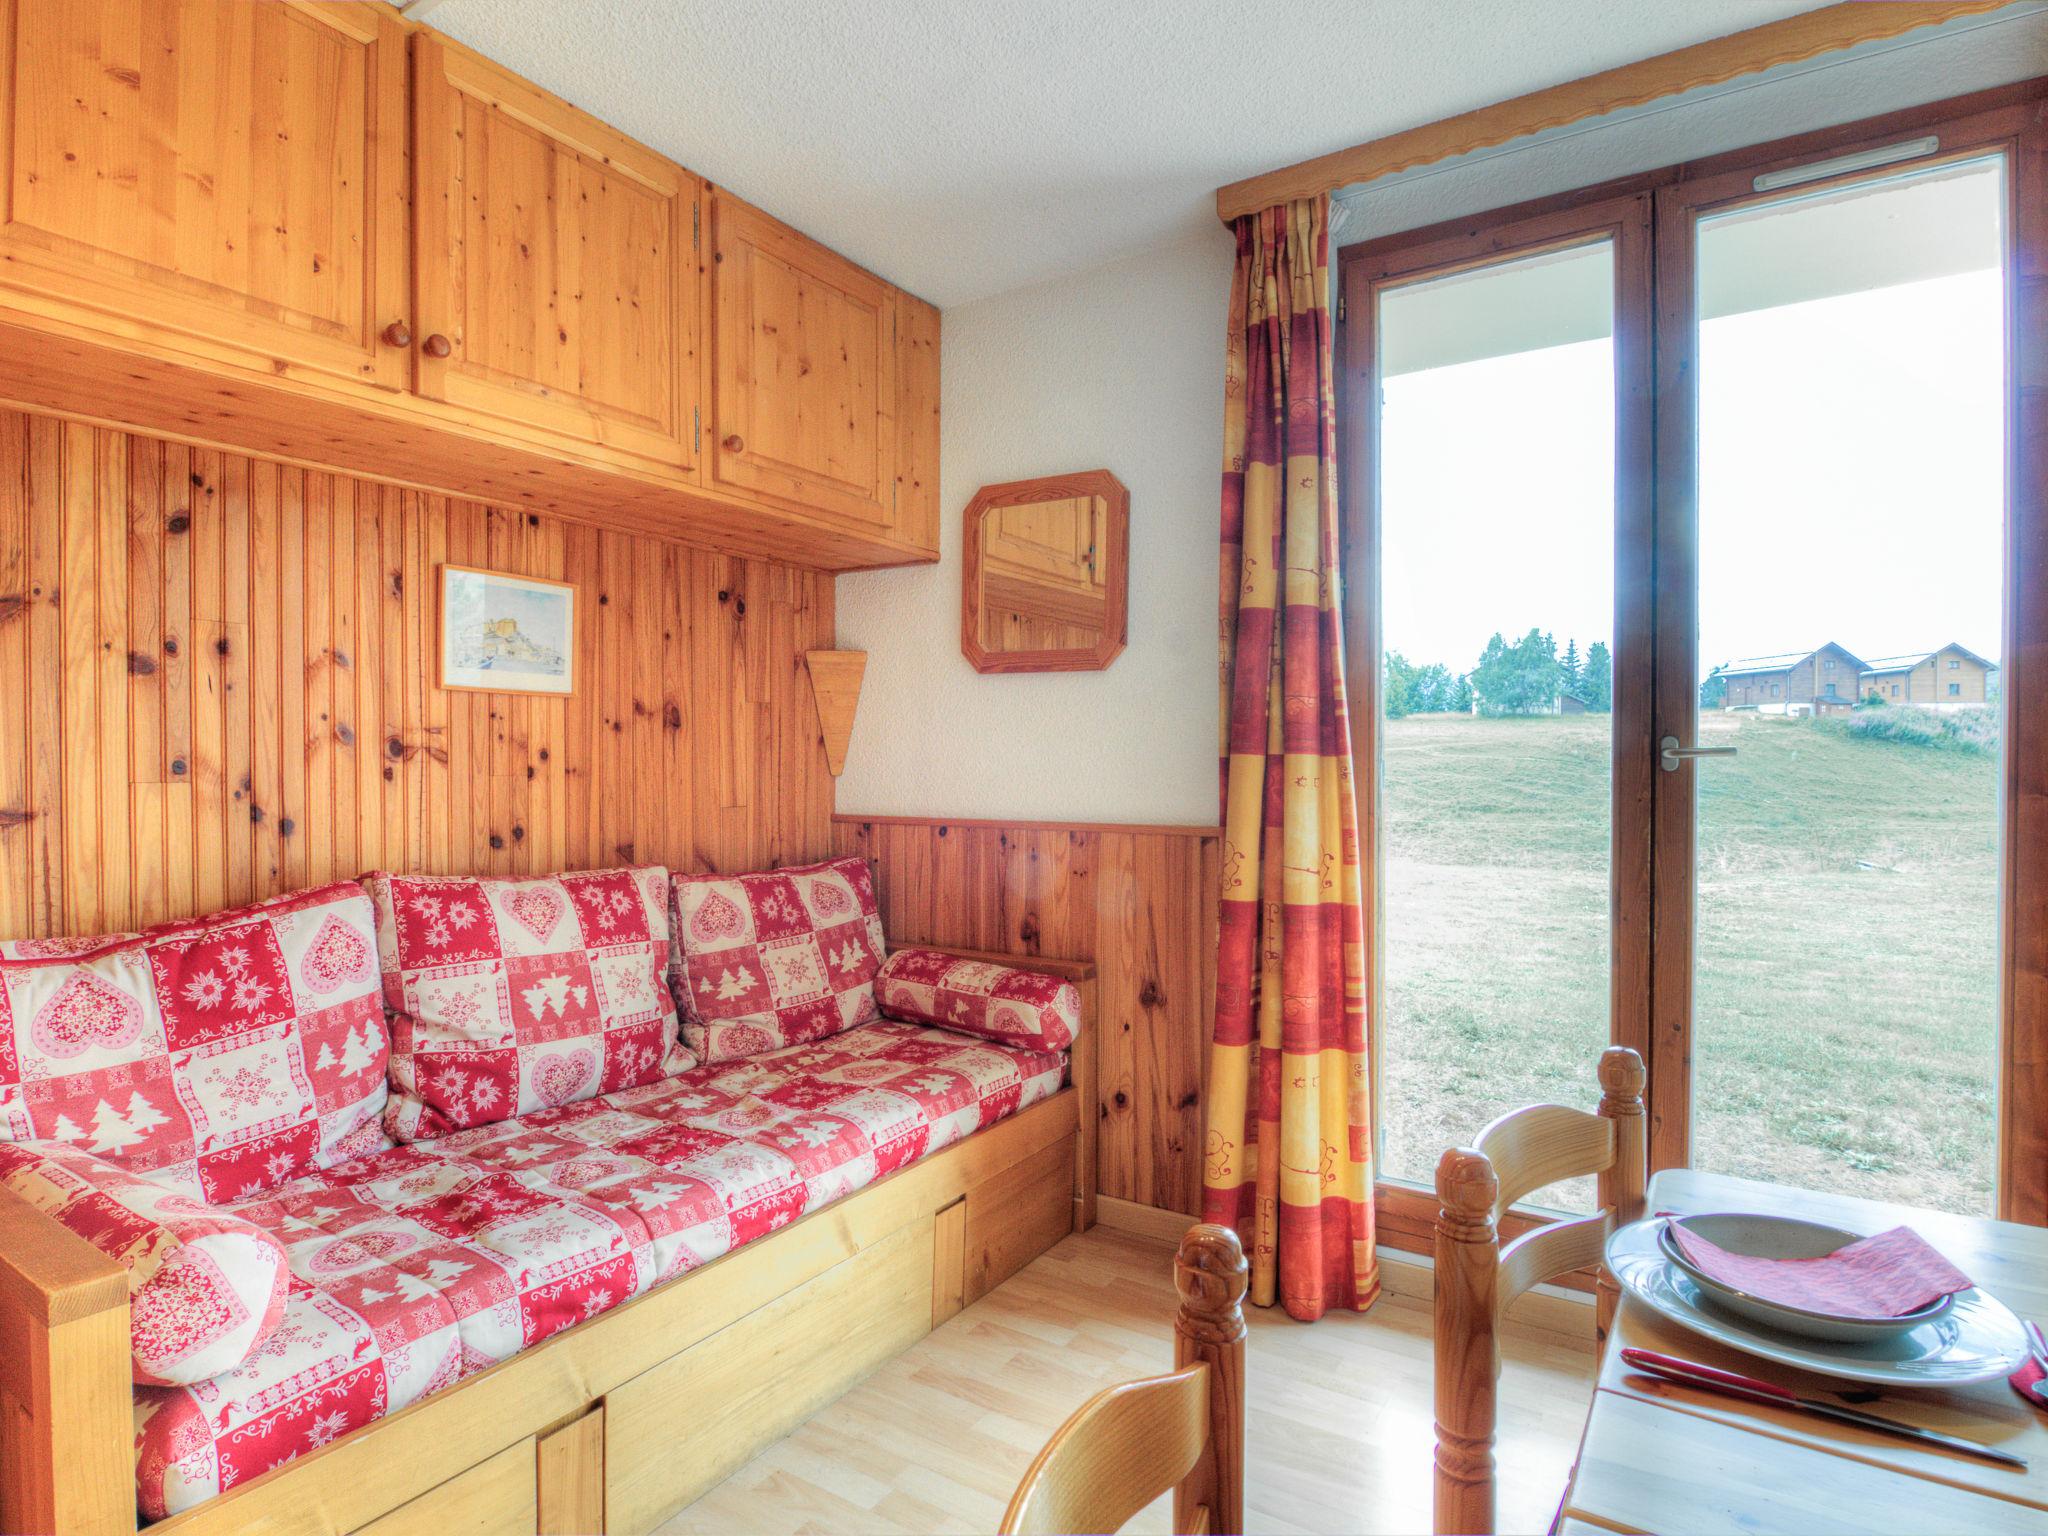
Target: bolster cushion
513,995
204,1287
978,997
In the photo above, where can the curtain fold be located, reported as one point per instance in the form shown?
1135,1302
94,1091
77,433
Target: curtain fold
1289,1137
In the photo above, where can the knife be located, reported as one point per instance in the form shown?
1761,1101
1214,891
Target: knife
1692,1374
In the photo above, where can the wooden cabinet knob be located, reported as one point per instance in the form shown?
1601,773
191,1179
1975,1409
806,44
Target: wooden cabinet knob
436,345
396,334
734,443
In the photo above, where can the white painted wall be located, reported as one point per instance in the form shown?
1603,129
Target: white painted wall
1118,368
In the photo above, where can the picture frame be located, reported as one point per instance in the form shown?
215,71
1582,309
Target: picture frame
504,633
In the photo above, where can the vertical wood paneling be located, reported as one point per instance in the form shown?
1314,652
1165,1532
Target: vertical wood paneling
17,595
1140,903
218,680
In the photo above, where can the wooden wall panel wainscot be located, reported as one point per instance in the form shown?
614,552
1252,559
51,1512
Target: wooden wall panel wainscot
218,681
1137,900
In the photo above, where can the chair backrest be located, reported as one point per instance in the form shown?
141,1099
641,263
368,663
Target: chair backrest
1476,1277
1184,1431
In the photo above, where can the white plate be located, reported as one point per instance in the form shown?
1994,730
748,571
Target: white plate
1978,1339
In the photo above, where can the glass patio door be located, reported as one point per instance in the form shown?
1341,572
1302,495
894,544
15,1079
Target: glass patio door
1832,633
1504,571
1822,914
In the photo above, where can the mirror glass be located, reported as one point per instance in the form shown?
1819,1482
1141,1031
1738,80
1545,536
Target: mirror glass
1045,574
1042,570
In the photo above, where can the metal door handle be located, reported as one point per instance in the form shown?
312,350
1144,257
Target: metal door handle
1674,754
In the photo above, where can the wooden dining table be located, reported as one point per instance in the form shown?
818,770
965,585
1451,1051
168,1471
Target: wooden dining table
1657,1456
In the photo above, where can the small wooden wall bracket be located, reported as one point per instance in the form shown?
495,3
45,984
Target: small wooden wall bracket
835,687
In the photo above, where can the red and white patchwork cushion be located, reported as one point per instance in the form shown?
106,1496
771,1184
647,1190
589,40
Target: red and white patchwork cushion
764,961
224,1055
515,995
204,1287
976,997
430,1262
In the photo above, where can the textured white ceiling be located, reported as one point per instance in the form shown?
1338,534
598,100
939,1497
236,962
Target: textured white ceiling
962,148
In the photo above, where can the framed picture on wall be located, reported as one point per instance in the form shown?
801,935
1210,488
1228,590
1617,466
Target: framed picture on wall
506,634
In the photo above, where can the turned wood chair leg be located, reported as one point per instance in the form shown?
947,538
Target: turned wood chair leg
1467,1350
1210,1273
1625,1181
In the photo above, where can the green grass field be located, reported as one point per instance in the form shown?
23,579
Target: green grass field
1846,995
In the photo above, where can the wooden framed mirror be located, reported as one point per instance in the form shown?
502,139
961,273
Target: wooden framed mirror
1044,580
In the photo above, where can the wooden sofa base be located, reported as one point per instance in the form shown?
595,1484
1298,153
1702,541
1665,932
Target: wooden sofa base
618,1423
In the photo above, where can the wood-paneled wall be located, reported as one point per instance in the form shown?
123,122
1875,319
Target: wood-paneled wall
217,681
1138,901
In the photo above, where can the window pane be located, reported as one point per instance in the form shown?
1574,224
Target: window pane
1497,600
1851,526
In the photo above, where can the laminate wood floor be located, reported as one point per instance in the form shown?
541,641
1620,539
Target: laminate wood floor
1339,1422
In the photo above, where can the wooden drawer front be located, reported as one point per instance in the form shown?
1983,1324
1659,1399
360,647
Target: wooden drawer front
493,1498
222,179
676,1430
1017,1215
805,359
555,257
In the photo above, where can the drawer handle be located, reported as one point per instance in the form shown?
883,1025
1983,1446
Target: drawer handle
734,443
396,334
436,345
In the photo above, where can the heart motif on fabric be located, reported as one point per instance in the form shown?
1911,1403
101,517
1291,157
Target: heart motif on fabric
718,918
86,1012
537,908
561,1077
829,900
338,955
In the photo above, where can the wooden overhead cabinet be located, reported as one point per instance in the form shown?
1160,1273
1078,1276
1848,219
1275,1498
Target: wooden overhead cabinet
225,180
805,346
557,282
251,225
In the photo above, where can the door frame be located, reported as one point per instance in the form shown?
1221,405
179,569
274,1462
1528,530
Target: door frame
1621,217
1967,128
1650,912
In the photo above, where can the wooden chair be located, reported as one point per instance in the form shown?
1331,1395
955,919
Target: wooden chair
1476,1278
1130,1443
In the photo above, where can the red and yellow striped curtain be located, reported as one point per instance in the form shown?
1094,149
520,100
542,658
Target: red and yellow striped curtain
1289,1146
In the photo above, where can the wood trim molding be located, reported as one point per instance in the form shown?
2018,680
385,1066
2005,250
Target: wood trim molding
1750,51
1145,829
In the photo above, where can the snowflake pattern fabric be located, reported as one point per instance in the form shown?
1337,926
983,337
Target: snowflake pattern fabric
514,995
764,961
430,1262
204,1287
978,997
223,1056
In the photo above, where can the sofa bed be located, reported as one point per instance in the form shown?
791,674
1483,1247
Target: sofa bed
538,1204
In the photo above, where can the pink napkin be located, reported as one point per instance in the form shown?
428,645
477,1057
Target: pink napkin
2031,1382
1887,1275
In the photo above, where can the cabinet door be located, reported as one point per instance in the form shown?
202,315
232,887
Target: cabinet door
558,283
805,363
219,179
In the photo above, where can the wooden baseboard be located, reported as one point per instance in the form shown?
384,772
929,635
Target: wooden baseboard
1143,1220
1567,1317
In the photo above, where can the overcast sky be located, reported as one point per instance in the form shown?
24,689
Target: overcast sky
1851,484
